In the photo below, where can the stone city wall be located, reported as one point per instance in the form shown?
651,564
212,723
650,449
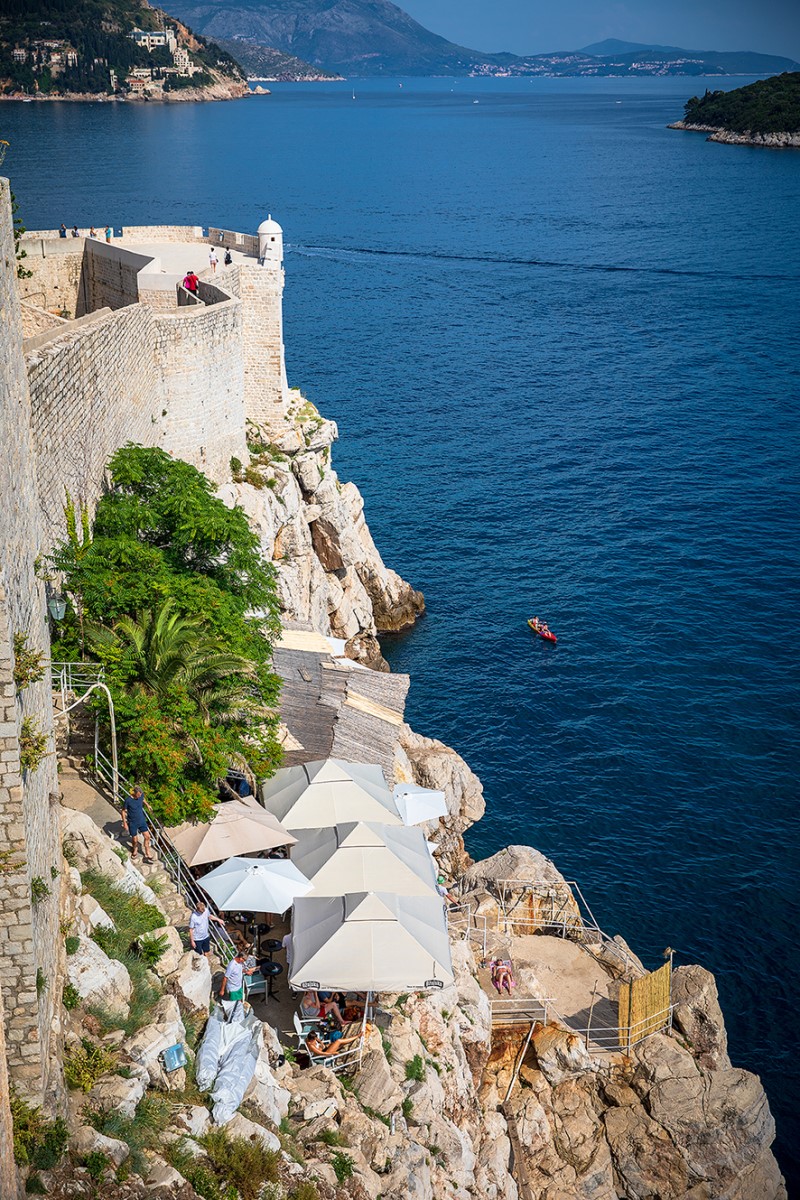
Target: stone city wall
37,320
30,843
266,392
142,233
112,274
56,282
246,242
198,356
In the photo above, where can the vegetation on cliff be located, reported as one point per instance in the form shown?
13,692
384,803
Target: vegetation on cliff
767,106
171,593
63,47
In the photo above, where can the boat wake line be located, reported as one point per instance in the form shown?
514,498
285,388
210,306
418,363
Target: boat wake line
344,252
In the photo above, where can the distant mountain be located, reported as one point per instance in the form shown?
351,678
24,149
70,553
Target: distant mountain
265,62
375,37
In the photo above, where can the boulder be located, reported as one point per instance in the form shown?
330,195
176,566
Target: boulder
375,1086
174,952
698,1016
123,1095
264,1093
645,1158
88,1141
194,1120
560,1054
164,1029
98,979
316,1093
191,982
162,1175
513,862
306,468
90,915
240,1126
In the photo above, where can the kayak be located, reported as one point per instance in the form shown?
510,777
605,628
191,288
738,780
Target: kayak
543,633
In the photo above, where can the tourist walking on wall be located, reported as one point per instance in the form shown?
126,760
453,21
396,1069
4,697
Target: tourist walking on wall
190,282
93,232
109,233
199,935
228,257
62,231
134,822
75,231
213,259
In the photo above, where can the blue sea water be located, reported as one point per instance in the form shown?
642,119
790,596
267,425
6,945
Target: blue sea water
561,343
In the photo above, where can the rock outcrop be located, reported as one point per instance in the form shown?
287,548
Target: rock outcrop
772,141
330,573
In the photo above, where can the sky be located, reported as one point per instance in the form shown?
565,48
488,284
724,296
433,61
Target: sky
536,26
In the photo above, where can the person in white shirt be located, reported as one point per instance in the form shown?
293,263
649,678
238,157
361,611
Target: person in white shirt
198,928
213,260
233,982
286,942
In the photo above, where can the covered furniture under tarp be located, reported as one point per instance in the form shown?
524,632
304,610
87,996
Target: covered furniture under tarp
227,1056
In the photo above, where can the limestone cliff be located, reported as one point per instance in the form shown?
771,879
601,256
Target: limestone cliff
330,573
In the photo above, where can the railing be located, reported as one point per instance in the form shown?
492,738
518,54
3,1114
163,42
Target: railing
614,1040
176,868
521,1010
561,910
74,677
471,926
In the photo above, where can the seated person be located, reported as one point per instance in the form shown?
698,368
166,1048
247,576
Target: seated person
310,1006
316,1046
502,975
329,1008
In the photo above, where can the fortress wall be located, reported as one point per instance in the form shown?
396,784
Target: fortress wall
56,281
92,390
38,320
111,275
30,840
164,233
200,366
265,389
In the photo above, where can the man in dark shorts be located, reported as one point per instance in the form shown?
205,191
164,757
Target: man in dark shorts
198,928
134,822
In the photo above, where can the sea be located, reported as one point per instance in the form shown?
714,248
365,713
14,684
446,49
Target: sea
561,343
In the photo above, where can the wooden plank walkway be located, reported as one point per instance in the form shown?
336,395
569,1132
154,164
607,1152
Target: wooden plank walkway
519,1168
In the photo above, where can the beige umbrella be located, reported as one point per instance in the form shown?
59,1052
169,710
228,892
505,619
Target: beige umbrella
235,828
370,941
362,857
329,792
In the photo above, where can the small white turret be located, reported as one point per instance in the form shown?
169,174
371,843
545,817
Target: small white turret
270,243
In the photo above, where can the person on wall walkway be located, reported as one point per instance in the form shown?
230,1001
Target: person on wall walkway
190,282
213,259
134,822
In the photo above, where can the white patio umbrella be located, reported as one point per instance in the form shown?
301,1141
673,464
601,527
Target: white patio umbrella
255,884
235,828
418,804
365,857
370,941
329,792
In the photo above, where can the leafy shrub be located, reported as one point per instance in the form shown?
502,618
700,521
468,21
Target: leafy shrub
304,1191
70,997
32,745
96,1163
152,949
415,1069
407,1107
342,1165
41,982
35,1186
332,1137
243,1164
141,1132
39,889
37,1142
72,944
387,1049
84,1065
28,664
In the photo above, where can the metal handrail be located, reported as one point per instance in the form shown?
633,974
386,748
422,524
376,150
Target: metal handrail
521,1010
476,927
173,863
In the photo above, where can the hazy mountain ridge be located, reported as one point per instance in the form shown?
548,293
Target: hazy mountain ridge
375,37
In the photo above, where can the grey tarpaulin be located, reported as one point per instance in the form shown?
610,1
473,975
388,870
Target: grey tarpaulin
227,1057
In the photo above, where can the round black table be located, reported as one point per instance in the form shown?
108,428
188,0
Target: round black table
270,970
272,946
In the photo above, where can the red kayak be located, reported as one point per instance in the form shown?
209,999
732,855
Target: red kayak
541,628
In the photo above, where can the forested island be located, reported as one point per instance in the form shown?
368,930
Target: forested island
765,113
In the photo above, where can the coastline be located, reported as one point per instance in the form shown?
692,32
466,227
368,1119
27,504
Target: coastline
769,141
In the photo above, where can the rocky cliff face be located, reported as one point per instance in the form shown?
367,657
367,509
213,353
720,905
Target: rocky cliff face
330,573
772,141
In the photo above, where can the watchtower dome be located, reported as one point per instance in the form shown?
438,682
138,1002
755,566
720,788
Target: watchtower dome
270,243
